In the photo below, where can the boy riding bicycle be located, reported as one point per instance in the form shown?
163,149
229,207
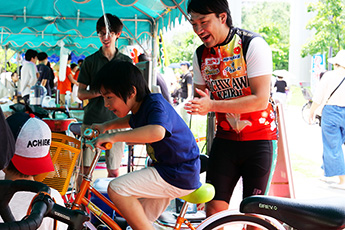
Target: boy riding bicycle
141,196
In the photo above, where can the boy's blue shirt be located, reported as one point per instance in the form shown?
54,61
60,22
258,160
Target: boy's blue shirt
176,156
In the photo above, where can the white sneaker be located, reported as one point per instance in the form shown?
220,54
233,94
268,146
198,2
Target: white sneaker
338,186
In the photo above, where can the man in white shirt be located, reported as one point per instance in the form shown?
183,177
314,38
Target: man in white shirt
29,74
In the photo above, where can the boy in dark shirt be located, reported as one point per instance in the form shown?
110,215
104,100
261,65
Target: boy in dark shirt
143,195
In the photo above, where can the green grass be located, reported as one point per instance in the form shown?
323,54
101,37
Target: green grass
304,165
198,127
296,97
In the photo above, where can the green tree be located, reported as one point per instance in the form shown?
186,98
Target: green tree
272,21
280,50
328,25
10,67
181,46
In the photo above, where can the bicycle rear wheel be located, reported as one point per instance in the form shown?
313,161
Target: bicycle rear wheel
239,222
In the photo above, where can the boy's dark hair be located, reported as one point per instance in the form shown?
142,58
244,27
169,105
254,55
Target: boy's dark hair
69,57
209,7
80,61
42,56
30,54
120,77
115,24
73,65
13,170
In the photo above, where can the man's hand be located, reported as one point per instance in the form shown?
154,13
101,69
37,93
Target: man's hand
201,105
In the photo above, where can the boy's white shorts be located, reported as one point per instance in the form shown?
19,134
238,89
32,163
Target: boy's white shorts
150,188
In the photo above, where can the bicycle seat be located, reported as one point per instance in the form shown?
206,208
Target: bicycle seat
201,195
323,213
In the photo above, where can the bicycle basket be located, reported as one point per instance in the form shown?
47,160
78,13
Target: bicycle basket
64,158
67,140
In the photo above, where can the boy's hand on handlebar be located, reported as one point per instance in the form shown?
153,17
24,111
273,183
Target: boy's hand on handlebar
100,127
104,141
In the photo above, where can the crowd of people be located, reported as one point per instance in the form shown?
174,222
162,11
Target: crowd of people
236,86
37,70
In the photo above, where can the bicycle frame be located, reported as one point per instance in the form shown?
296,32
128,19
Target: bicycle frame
85,186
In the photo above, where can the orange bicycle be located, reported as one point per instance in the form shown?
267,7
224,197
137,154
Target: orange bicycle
201,195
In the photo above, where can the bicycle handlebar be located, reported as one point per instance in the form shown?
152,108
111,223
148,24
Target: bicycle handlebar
41,206
91,134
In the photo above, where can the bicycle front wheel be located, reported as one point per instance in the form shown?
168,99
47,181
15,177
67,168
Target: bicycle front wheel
306,111
239,222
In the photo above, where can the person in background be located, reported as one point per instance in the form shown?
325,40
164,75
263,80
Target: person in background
44,71
66,85
29,74
186,81
30,159
280,90
80,62
332,119
235,66
14,85
52,78
160,80
95,112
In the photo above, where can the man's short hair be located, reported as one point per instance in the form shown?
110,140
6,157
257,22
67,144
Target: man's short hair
120,77
42,56
115,24
30,53
209,7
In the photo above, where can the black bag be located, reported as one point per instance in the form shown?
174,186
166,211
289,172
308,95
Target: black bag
318,119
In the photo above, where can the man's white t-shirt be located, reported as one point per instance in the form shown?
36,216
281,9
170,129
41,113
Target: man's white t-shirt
28,77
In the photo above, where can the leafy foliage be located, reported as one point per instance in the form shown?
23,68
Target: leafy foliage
10,66
328,26
272,21
182,46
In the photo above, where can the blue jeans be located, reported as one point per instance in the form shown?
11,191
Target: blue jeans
333,136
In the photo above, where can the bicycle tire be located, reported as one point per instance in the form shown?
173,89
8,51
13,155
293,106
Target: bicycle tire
229,220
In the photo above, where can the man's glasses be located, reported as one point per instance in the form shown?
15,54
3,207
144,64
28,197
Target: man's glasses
102,34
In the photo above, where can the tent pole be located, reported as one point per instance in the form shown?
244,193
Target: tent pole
181,10
135,39
154,54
